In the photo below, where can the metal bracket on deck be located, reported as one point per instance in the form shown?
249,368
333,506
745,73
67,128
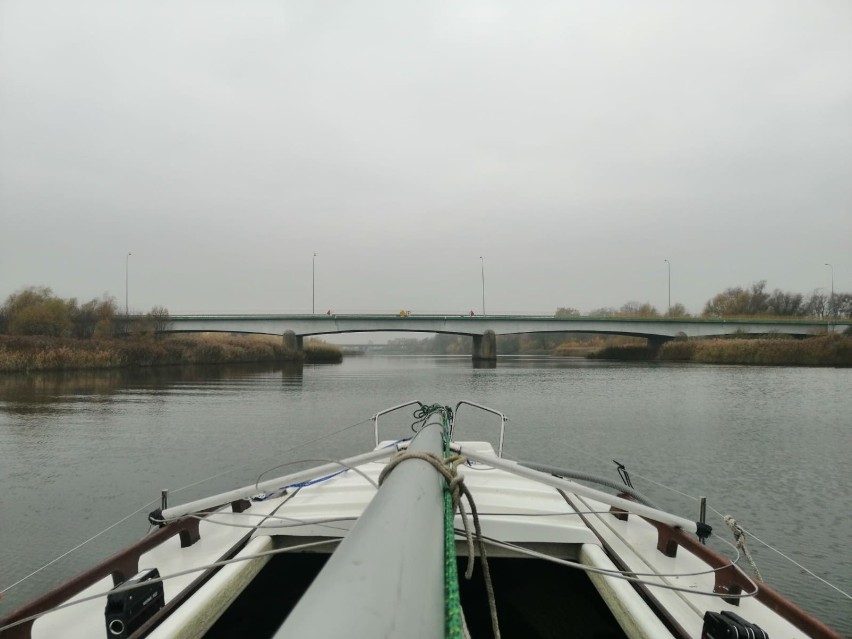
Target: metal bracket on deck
620,513
240,505
120,567
729,579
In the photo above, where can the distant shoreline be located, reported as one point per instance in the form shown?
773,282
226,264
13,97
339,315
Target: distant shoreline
23,354
823,350
37,354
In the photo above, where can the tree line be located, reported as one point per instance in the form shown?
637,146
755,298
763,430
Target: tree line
756,300
37,311
738,301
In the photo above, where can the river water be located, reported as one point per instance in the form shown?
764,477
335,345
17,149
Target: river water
771,446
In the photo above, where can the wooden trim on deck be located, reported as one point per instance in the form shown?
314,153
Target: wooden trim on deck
121,566
730,579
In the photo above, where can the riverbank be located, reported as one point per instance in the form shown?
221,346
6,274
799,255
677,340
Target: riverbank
824,350
21,354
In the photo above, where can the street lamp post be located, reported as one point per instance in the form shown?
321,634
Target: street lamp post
314,285
669,307
127,284
482,267
831,299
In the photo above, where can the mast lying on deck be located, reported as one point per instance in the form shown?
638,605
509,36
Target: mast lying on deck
387,574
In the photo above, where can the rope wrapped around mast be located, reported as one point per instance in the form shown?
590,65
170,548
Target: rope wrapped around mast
453,492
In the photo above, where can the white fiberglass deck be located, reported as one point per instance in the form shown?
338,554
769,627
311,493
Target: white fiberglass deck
512,509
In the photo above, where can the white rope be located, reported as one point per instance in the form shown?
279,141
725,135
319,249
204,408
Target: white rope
753,536
172,492
797,564
78,546
740,540
215,564
339,462
278,455
294,522
627,576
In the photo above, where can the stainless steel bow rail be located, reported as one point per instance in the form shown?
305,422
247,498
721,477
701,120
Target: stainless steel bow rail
453,414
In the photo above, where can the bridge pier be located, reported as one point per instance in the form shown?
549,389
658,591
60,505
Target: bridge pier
654,343
293,342
485,346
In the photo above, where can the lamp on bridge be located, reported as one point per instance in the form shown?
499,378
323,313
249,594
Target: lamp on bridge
831,299
482,266
313,284
669,307
127,284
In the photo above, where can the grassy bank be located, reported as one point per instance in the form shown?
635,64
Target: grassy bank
630,353
824,350
573,350
49,353
319,352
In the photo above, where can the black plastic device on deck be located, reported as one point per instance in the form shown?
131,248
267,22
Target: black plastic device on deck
728,625
126,611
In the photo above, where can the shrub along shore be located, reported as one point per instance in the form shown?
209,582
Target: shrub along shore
20,354
37,353
824,350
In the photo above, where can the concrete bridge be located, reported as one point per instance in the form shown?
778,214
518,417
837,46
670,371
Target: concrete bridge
484,329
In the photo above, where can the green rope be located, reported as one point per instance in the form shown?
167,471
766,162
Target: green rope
452,601
453,611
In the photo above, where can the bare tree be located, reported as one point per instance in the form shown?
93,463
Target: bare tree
786,304
160,317
817,304
739,301
677,310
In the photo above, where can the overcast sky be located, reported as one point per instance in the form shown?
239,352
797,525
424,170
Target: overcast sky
574,145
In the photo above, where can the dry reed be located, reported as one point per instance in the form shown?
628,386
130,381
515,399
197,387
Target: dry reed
43,353
824,350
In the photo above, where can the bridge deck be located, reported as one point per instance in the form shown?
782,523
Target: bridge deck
661,328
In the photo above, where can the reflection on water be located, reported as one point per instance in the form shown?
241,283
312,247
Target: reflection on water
51,392
38,393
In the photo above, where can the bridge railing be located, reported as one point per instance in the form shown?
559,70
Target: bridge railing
548,318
